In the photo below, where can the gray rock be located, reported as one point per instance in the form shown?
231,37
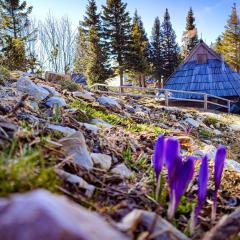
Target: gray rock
56,101
74,179
107,101
103,160
130,109
208,150
122,171
235,127
24,84
75,146
231,164
217,132
188,115
192,122
51,90
33,105
42,215
100,122
90,127
84,95
173,117
65,130
161,230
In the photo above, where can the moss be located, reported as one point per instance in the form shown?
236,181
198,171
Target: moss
210,121
206,133
4,74
25,171
69,85
185,206
114,119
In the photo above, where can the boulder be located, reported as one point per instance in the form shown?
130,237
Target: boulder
75,146
53,76
122,171
103,160
41,215
109,102
56,101
24,84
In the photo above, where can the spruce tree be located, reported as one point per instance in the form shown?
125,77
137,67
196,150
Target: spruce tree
15,19
218,45
139,56
169,47
156,57
117,32
94,62
190,36
231,40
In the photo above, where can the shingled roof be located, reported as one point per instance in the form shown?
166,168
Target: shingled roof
204,71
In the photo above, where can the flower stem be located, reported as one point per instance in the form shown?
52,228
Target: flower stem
214,207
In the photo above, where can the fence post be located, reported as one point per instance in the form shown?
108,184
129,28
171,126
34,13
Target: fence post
205,102
166,98
229,106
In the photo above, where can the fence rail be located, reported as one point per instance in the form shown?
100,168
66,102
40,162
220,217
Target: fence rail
208,99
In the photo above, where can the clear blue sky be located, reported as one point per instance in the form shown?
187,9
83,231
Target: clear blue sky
211,15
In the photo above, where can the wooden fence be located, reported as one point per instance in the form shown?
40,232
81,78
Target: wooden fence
204,98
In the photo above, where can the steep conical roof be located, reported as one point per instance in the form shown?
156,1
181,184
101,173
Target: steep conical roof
204,71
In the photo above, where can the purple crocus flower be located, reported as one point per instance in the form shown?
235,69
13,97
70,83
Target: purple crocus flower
218,170
180,173
202,187
188,130
158,156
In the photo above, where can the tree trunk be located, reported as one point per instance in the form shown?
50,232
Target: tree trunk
121,78
139,80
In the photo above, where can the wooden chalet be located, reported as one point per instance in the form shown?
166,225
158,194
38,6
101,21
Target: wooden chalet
205,71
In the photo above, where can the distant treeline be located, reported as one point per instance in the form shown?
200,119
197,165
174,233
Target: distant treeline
108,42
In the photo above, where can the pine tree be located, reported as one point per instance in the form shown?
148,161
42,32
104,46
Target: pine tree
94,62
139,56
156,57
169,47
190,36
218,45
81,51
231,40
15,19
117,31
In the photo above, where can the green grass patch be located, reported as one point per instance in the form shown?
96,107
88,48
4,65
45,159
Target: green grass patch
69,85
210,121
24,169
206,133
114,119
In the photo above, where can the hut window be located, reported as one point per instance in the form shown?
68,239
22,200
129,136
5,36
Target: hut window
201,58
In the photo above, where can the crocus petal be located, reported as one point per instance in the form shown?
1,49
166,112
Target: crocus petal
185,174
172,153
202,186
158,156
184,171
219,165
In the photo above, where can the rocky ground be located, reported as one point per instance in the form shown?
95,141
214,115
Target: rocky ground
96,150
